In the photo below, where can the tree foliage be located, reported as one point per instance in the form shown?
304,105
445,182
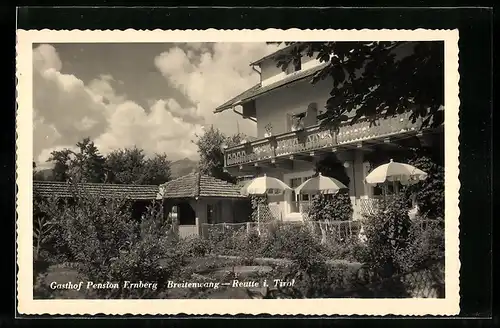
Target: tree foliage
387,234
210,148
84,165
122,166
108,245
369,78
336,207
130,166
62,161
430,192
330,166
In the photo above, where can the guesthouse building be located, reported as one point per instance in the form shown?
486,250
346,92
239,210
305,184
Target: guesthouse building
290,140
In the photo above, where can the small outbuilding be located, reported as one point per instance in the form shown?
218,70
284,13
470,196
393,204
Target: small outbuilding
196,199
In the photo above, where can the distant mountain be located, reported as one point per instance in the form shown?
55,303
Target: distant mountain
182,167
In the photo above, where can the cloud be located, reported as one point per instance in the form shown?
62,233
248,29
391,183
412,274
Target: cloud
158,131
103,86
68,110
207,74
220,72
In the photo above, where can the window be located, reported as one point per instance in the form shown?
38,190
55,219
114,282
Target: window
295,121
294,183
293,67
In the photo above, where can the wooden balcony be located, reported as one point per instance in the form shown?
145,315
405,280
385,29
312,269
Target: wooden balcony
317,138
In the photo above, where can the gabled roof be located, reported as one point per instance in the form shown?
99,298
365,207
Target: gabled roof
259,90
104,190
271,55
199,185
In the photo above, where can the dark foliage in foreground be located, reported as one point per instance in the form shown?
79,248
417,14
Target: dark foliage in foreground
369,78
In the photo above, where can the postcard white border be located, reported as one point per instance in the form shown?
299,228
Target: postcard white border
27,305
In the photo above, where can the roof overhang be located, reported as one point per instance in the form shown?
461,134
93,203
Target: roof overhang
274,54
259,90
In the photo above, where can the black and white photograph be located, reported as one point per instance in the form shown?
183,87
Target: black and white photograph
238,169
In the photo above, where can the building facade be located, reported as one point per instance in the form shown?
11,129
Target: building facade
290,140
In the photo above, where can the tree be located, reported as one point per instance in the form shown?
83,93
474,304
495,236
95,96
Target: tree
125,166
130,166
156,170
85,165
330,166
210,146
62,162
88,164
369,78
37,175
430,192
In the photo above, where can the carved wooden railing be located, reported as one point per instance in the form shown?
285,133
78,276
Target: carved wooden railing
316,138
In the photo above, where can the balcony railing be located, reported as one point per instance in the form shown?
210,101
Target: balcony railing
317,138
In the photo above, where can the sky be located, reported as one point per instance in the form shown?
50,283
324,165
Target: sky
158,97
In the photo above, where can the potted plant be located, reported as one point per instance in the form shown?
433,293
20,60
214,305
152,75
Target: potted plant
269,130
298,123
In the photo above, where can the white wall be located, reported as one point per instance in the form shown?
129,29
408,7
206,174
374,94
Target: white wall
273,107
271,73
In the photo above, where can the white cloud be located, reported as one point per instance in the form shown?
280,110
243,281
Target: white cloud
103,87
215,77
68,110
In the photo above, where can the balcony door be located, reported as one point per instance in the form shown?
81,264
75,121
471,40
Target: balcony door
297,202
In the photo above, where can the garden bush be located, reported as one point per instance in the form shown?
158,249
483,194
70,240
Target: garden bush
352,249
195,246
109,245
425,245
387,233
336,207
430,192
395,244
256,202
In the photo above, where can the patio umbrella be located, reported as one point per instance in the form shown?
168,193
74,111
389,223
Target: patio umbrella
320,184
393,172
264,185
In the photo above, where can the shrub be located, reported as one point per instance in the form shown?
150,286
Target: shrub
40,288
195,246
262,202
425,245
110,246
387,233
228,241
352,249
49,246
336,207
313,276
430,192
396,245
289,241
